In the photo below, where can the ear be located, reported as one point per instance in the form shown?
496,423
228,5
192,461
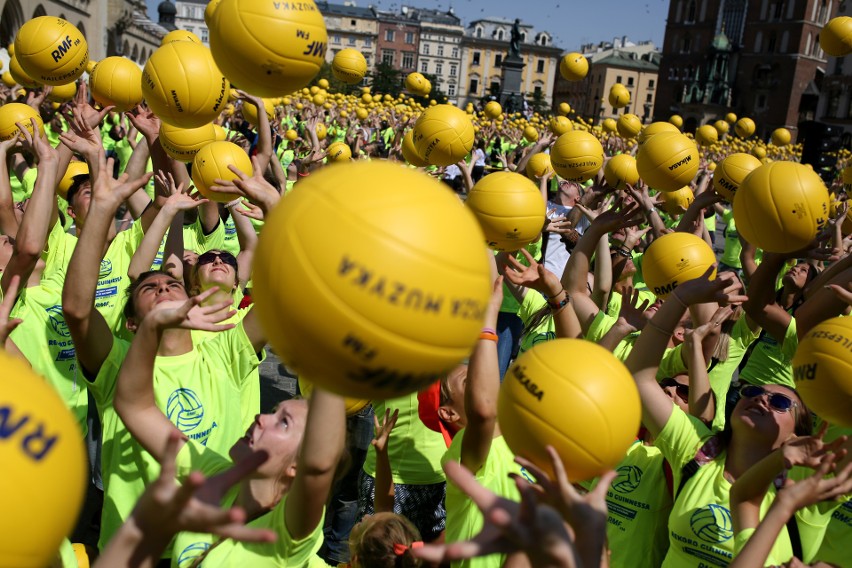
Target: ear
71,212
678,334
132,325
448,415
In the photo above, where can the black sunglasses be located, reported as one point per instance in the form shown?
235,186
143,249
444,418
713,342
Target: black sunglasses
210,257
682,390
778,402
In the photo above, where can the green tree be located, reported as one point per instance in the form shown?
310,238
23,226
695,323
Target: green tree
386,80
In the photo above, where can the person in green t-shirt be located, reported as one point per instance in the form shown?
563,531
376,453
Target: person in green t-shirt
303,443
190,376
763,426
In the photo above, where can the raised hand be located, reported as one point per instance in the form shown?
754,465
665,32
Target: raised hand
38,146
819,487
254,187
810,451
723,290
190,314
632,313
383,429
87,112
81,138
167,508
534,276
113,192
693,338
178,198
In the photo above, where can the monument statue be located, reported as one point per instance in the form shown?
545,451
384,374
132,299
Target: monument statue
515,43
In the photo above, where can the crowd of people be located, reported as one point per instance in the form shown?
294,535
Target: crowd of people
131,295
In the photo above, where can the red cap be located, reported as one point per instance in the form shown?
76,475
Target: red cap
428,401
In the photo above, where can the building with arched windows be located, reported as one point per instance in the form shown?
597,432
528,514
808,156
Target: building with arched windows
759,58
111,27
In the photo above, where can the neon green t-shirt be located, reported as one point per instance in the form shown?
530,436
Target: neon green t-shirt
231,242
733,246
545,331
198,391
66,555
23,190
720,375
414,450
700,525
195,240
464,519
284,552
638,506
671,364
770,363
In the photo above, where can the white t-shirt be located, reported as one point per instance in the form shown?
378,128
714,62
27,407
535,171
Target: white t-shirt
556,255
478,157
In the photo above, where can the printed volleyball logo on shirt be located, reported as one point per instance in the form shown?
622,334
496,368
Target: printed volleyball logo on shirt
57,321
185,410
712,523
106,269
628,480
192,552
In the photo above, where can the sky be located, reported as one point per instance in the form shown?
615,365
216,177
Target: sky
572,23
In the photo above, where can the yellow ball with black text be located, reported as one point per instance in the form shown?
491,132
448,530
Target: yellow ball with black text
822,370
44,465
509,208
349,66
836,36
667,161
116,81
781,207
361,307
268,48
211,163
731,171
183,85
12,114
577,156
339,152
676,258
544,402
51,50
443,135
183,144
409,151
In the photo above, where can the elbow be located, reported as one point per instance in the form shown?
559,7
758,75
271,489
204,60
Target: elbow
73,311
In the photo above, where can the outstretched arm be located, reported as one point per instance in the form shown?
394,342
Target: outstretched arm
92,336
41,212
322,446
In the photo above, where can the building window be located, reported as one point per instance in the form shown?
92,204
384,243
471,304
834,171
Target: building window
498,59
440,51
649,98
409,37
352,40
407,60
453,70
335,39
474,87
650,84
500,34
758,41
687,44
539,67
478,31
190,29
368,42
388,35
777,10
455,53
618,79
494,88
690,12
537,90
770,45
451,90
352,22
388,56
630,81
424,66
439,68
475,58
425,49
367,59
205,34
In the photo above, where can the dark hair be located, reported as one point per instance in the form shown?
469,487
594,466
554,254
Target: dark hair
375,547
129,306
76,183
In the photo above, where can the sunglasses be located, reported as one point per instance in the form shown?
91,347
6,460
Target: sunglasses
210,257
682,390
778,402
